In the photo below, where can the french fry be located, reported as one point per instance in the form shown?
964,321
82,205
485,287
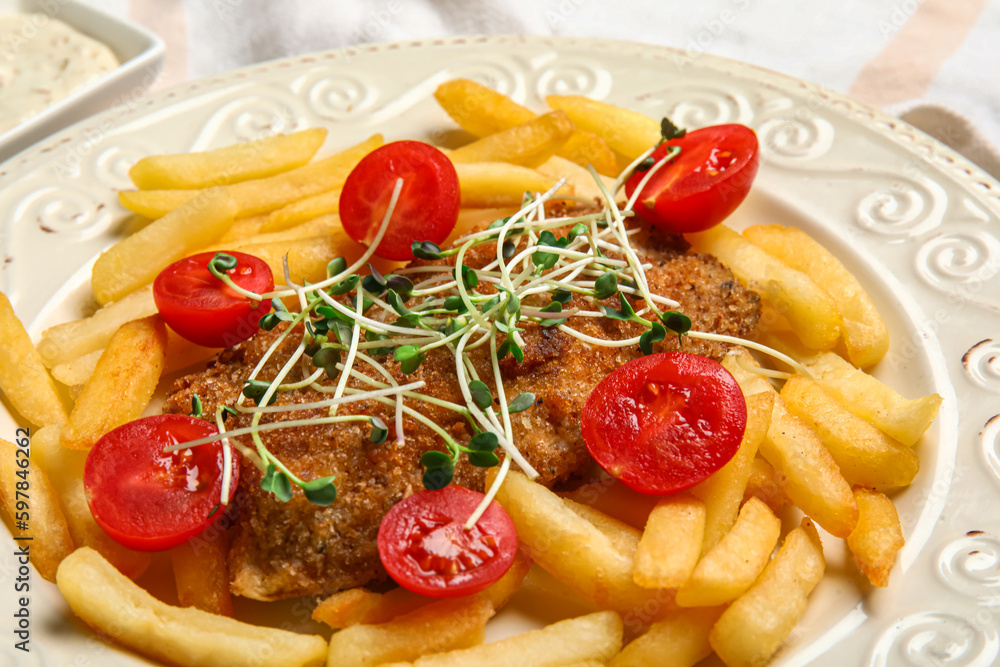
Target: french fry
731,567
240,162
723,491
763,484
49,536
596,636
901,418
574,551
76,372
679,640
628,133
483,111
65,343
812,313
244,229
264,194
807,471
439,626
493,184
201,573
877,538
360,606
301,211
23,377
623,537
64,468
529,144
578,178
671,544
322,225
115,607
866,455
750,631
864,333
122,383
613,498
136,260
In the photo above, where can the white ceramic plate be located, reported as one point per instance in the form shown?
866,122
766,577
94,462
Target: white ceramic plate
916,222
139,51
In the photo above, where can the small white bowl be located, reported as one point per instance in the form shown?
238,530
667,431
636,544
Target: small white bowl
139,51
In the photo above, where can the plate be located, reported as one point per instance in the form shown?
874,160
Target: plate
917,223
139,51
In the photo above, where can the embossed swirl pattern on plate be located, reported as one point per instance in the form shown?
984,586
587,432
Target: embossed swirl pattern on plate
567,77
959,260
64,209
251,117
907,207
990,440
112,164
971,566
982,364
698,106
340,97
939,639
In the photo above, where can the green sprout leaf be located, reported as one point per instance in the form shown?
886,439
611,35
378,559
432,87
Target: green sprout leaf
678,323
654,335
425,250
222,262
379,431
606,286
492,303
269,321
579,229
372,336
409,357
255,390
400,285
483,459
277,483
670,131
562,296
510,346
508,249
469,276
513,305
344,286
336,266
320,491
410,321
439,469
226,411
196,408
484,442
481,395
374,282
215,509
396,302
523,401
626,313
646,164
455,303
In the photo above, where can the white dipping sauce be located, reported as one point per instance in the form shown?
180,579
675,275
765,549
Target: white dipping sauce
43,60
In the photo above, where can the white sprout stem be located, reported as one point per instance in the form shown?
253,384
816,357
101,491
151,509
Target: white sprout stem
603,342
337,400
501,392
374,325
622,177
302,384
351,352
261,428
770,351
670,155
490,494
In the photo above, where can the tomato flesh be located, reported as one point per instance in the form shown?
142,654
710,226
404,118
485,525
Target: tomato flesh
205,310
425,547
427,208
150,500
664,422
704,184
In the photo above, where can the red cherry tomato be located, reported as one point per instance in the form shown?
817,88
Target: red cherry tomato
427,208
149,500
425,547
205,310
704,184
664,422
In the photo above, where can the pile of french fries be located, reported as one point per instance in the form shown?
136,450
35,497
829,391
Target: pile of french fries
676,578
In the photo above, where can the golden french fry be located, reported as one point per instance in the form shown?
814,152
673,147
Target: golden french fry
877,538
76,372
65,470
750,631
671,543
122,384
301,211
483,111
529,144
866,455
64,343
23,377
243,229
904,419
263,194
812,313
439,626
493,184
201,573
763,484
679,640
578,178
616,500
623,537
575,551
731,567
319,226
136,260
864,333
240,162
114,606
596,636
723,491
628,133
28,496
807,471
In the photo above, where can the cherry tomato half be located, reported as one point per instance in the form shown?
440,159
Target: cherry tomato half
427,208
664,422
704,184
205,310
425,547
149,500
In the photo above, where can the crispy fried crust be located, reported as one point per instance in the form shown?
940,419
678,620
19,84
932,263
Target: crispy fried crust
291,549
